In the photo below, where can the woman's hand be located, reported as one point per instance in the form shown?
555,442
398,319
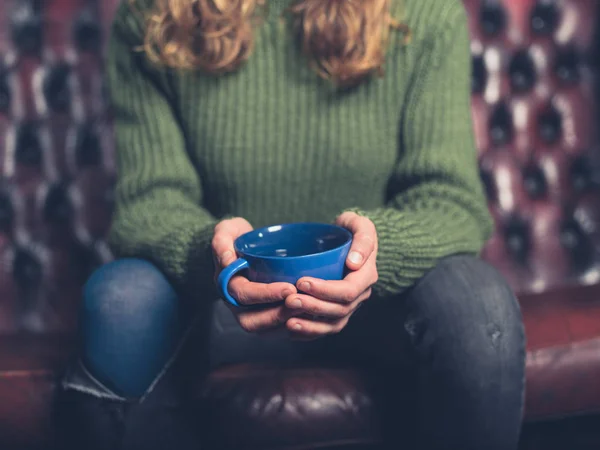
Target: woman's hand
243,290
332,303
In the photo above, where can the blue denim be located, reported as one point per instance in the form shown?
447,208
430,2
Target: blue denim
131,325
459,329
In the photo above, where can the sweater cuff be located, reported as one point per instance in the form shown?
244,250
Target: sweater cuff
190,261
410,243
183,253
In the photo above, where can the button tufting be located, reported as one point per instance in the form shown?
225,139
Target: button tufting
516,233
545,17
573,238
56,87
581,175
88,149
550,126
86,33
532,110
5,97
501,129
27,269
57,209
522,72
6,213
534,182
28,149
26,26
479,77
488,184
492,18
567,66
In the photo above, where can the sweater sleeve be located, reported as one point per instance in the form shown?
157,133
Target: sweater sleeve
158,216
437,207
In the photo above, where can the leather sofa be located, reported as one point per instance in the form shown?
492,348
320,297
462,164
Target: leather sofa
534,110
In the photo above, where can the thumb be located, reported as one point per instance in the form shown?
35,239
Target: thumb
226,232
364,238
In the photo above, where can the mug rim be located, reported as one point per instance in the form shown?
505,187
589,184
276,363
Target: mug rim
296,224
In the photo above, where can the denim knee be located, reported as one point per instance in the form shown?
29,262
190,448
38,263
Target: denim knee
124,289
130,321
464,316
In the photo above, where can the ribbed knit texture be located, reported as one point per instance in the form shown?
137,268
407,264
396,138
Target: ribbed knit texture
274,144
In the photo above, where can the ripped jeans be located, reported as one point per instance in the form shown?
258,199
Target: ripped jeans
458,329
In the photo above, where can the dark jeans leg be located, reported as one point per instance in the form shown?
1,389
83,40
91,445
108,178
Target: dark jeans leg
465,328
455,341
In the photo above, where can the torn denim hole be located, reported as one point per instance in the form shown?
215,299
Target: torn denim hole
494,333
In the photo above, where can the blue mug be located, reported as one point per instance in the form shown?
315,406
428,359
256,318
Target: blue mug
286,253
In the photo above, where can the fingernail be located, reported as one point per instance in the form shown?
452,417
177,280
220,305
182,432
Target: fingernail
297,327
296,303
355,258
286,293
225,256
305,286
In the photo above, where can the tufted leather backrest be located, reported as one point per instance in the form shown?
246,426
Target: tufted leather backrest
56,160
535,121
534,117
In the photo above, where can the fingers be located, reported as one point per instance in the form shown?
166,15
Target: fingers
307,304
342,291
291,317
310,329
226,232
248,293
263,321
245,292
331,318
364,241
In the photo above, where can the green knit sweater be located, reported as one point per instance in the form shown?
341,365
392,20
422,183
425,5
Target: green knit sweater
273,143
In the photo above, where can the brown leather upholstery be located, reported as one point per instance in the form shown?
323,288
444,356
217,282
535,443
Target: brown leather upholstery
273,407
56,161
535,118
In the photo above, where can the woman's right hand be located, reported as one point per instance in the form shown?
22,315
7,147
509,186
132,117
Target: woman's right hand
247,293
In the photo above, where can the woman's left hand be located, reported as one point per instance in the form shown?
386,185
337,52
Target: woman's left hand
332,303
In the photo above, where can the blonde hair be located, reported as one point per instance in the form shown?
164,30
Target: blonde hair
344,40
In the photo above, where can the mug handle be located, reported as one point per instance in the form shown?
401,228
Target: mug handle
225,277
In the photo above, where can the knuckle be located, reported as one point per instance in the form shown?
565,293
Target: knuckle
354,220
247,324
349,309
277,320
272,294
240,295
367,225
220,243
375,278
338,327
222,226
345,217
216,241
365,296
362,221
352,309
349,296
334,311
365,238
340,310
